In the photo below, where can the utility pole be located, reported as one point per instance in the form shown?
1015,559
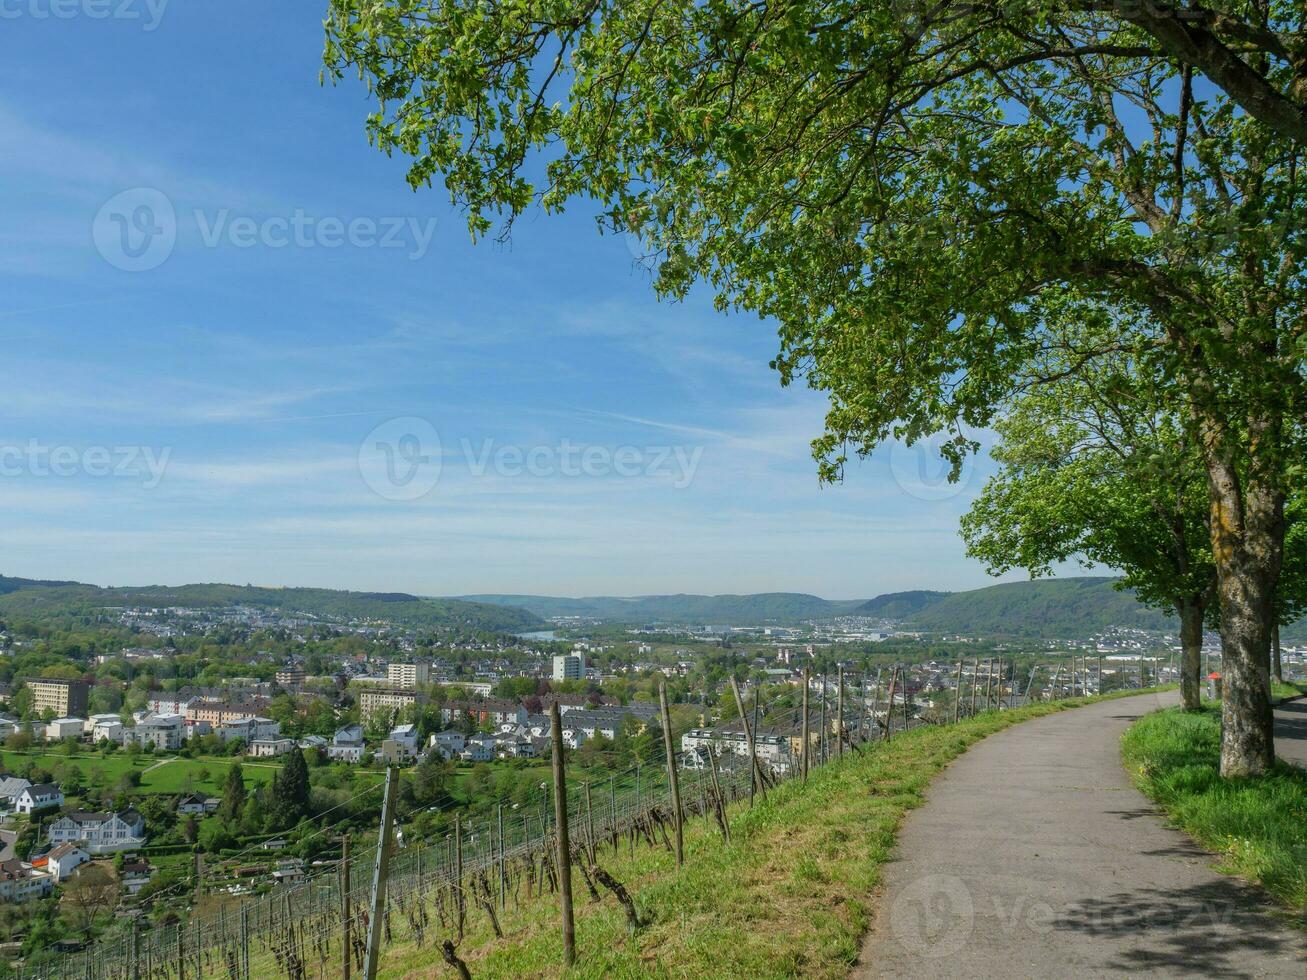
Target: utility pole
380,873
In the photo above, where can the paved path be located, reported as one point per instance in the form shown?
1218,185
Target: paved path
1291,731
1035,857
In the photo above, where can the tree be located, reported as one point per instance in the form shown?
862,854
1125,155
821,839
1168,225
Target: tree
290,791
92,892
1094,466
904,194
233,794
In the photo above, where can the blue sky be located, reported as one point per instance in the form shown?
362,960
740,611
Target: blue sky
239,348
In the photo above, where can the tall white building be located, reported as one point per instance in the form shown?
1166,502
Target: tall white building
408,676
569,666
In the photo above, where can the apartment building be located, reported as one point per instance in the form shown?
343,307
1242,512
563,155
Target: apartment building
63,697
408,676
569,666
384,704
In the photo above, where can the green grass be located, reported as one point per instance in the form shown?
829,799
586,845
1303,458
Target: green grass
1288,689
1257,826
792,895
177,775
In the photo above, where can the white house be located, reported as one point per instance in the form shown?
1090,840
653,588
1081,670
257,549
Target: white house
62,728
197,803
64,859
10,787
478,750
110,729
449,743
94,720
19,881
266,747
346,745
38,797
99,833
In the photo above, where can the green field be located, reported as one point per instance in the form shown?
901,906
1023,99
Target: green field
168,774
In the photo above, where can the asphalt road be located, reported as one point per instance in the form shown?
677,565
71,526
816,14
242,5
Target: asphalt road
1291,731
1035,857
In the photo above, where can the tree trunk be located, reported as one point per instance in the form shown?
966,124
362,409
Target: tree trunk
1277,668
1191,652
1247,528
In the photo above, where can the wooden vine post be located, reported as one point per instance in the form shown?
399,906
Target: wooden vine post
755,770
839,710
957,697
346,925
671,772
564,856
804,726
889,703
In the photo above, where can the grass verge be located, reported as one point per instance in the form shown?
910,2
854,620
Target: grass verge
1257,826
1285,690
790,896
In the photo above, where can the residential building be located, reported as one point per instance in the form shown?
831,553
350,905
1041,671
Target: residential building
408,676
218,713
99,833
197,803
267,747
773,750
19,881
172,703
164,732
64,859
64,697
41,796
401,746
490,711
384,704
290,676
249,729
449,743
346,745
10,787
62,728
105,727
569,666
135,875
478,750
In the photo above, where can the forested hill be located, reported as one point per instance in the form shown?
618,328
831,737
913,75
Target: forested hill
1067,607
1062,607
899,605
41,600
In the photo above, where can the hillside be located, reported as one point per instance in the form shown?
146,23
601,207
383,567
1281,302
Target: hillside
765,607
54,600
1044,607
899,605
